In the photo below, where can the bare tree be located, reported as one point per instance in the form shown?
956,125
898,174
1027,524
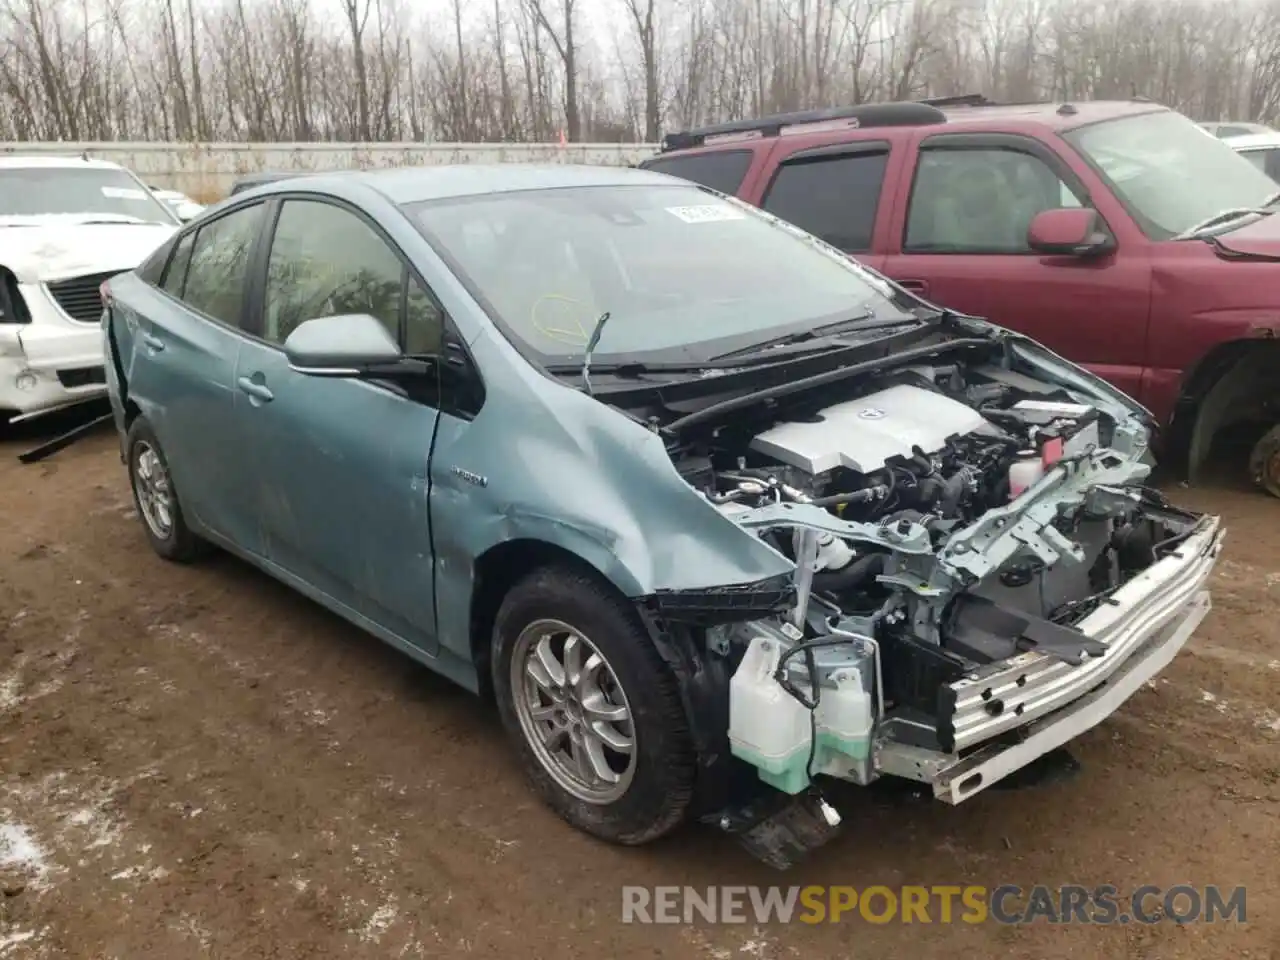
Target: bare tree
566,46
493,70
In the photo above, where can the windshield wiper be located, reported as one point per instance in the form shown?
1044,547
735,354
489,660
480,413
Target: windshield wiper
1225,216
591,346
848,325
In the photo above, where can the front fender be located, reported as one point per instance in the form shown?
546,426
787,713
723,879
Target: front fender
545,462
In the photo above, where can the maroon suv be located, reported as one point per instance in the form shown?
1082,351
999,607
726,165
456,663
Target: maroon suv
1120,234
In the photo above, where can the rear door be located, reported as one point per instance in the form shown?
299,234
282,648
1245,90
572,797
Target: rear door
186,334
341,478
960,226
834,192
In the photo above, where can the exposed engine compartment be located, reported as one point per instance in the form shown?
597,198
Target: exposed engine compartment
974,512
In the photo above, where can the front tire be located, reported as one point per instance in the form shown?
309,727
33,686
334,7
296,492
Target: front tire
592,708
156,498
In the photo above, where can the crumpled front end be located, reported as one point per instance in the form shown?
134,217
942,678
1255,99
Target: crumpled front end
51,272
47,360
981,574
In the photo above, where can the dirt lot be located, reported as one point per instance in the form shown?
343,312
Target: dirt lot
196,762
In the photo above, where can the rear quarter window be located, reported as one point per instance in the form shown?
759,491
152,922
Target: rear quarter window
723,170
152,268
832,197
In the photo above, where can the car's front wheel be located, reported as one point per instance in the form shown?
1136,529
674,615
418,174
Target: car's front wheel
156,498
593,710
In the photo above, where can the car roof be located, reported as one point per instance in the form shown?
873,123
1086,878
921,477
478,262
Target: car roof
1253,141
445,181
27,161
1054,116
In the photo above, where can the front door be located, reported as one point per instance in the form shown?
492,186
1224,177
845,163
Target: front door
343,480
962,219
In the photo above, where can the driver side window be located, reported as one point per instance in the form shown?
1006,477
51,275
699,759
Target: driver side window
326,261
980,200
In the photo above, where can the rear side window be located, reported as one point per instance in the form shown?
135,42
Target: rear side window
152,268
724,170
220,264
834,198
175,276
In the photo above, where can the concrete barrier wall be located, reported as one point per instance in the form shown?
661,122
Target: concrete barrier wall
207,170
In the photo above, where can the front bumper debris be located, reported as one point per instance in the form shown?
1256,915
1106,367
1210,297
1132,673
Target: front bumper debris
49,365
1044,701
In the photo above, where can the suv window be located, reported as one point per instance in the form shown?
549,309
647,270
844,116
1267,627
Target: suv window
834,198
980,200
220,263
722,170
326,261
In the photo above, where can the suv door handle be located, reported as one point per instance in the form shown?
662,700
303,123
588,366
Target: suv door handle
258,391
915,286
152,342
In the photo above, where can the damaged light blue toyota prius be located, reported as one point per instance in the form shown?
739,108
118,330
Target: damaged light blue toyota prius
715,515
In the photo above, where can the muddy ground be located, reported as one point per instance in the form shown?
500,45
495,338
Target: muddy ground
195,762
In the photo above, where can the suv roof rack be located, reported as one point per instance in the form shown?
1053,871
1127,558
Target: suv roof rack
911,113
961,100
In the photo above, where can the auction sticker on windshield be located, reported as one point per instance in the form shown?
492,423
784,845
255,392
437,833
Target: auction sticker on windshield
707,213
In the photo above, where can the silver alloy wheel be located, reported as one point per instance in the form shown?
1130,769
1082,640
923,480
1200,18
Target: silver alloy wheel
573,711
151,484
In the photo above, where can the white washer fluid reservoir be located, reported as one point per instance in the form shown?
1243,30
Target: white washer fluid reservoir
768,728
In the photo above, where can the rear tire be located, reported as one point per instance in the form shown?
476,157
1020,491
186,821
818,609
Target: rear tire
1264,462
156,498
611,752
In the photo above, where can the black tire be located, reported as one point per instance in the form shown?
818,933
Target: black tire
180,544
1264,462
657,798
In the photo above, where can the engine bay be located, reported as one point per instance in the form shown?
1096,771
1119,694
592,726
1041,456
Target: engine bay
950,517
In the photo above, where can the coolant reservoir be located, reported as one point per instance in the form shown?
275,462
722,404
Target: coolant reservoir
768,728
1024,472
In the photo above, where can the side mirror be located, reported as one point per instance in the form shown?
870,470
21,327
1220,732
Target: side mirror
1069,232
188,210
350,345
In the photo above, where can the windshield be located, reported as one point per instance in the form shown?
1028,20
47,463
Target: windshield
79,192
682,272
1170,173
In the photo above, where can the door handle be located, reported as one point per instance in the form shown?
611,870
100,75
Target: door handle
152,342
915,286
258,391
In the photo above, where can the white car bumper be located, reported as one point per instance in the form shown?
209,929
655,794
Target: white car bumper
49,363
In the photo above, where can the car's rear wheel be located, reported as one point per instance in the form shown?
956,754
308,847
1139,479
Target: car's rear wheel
1264,462
593,710
157,499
